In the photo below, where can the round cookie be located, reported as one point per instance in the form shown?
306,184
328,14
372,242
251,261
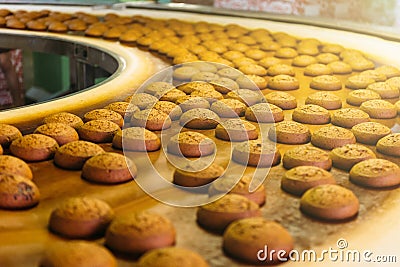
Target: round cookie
184,73
332,48
98,131
210,95
77,254
370,132
252,82
388,71
60,132
303,60
74,154
236,130
267,62
309,50
171,257
290,132
299,179
224,85
17,192
282,99
125,109
190,87
394,82
384,89
283,82
136,139
34,147
357,97
109,168
377,76
326,58
360,63
311,114
171,95
199,118
158,87
256,153
8,133
329,137
66,118
81,217
317,69
375,173
204,76
389,145
190,176
246,96
345,157
348,117
244,238
104,114
329,202
13,165
141,100
169,108
217,215
281,69
190,144
187,103
326,100
253,69
397,104
264,113
306,155
326,83
340,67
379,109
358,82
151,119
139,232
228,108
285,52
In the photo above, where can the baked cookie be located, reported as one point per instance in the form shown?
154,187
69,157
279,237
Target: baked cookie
224,85
379,109
187,103
326,58
360,64
8,133
109,168
311,114
104,114
228,108
377,76
389,145
267,62
238,62
66,118
397,104
81,217
332,48
98,131
244,238
283,82
141,100
270,46
299,179
17,192
285,52
326,83
248,97
348,117
204,76
139,232
394,82
290,132
384,89
171,95
230,73
329,137
169,108
309,50
345,157
306,155
375,173
264,113
281,99
256,153
151,119
171,257
329,202
252,82
326,100
13,165
191,144
136,139
34,147
197,174
199,118
158,87
236,130
217,215
210,95
358,82
370,132
340,67
74,154
388,71
357,97
190,87
317,69
303,60
281,69
61,132
125,109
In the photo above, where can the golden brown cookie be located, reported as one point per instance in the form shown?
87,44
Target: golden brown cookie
125,109
236,130
326,100
210,95
256,153
286,52
253,69
98,131
13,165
377,76
57,26
142,100
303,60
34,147
379,109
370,132
280,69
348,117
306,155
359,82
326,83
357,97
397,104
389,145
290,132
104,114
282,99
317,69
172,109
384,89
299,179
311,114
197,174
230,73
136,139
199,118
340,67
345,157
329,137
332,48
360,63
17,192
283,82
228,108
252,82
171,95
187,103
264,113
190,144
329,202
8,133
171,257
388,71
61,132
326,58
74,154
66,118
151,119
224,85
248,97
204,76
190,87
158,87
267,62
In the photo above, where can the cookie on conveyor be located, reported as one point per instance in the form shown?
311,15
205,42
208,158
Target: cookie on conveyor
228,108
98,131
109,168
141,100
357,97
81,217
348,117
8,133
66,118
172,257
158,87
171,95
326,83
281,99
329,137
389,145
222,211
264,113
281,69
230,73
190,87
195,174
34,147
345,157
224,85
172,109
187,103
303,60
74,154
385,90
283,82
370,132
326,58
210,95
285,52
289,132
375,173
388,71
340,67
397,104
379,109
246,96
17,192
306,155
252,82
125,109
13,165
236,130
136,139
358,82
61,132
151,119
329,202
78,254
139,232
244,238
256,153
299,179
190,144
326,100
104,114
311,114
317,69
199,118
377,76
